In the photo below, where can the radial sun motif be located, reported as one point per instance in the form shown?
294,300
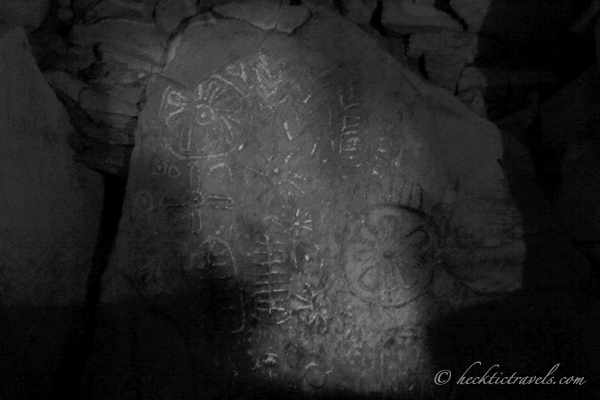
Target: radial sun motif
203,123
385,256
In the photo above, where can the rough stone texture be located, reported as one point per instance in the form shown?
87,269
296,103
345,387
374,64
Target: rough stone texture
98,127
124,124
473,12
120,100
77,59
134,37
170,13
291,17
106,158
262,14
27,13
290,198
359,12
127,9
462,45
50,205
570,112
66,83
110,53
406,16
579,194
446,55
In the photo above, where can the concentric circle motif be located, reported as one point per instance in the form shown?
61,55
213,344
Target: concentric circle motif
386,255
203,123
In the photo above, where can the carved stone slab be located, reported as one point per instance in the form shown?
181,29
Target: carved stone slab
298,191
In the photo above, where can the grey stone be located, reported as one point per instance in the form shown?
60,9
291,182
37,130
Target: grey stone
50,206
360,11
115,121
459,44
116,100
170,13
107,159
308,184
406,16
291,17
134,37
126,9
112,72
77,59
66,83
110,129
28,13
134,62
262,14
473,98
473,12
446,55
568,114
65,15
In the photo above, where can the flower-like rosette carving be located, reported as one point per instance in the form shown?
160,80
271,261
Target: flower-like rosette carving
203,123
386,255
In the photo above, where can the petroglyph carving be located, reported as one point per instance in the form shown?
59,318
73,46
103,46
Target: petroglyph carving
349,144
285,217
196,203
268,83
238,70
218,202
144,201
285,175
185,221
307,258
386,256
272,280
310,307
161,168
215,258
203,123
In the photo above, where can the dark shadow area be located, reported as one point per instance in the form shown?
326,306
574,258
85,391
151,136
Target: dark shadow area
552,320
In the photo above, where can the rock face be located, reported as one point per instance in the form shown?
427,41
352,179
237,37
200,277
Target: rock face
50,205
406,16
446,55
291,199
27,13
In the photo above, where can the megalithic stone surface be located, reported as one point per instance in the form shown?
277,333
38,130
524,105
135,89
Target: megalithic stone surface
300,198
27,13
406,16
50,206
140,38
